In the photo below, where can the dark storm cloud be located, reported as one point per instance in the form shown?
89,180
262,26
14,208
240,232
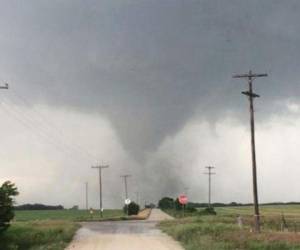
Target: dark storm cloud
149,66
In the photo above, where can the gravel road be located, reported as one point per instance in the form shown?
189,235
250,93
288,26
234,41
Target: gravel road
124,235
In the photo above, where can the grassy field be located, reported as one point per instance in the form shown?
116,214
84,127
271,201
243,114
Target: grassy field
69,215
47,229
54,235
222,231
265,210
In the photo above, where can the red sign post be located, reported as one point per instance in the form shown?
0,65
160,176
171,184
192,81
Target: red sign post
183,200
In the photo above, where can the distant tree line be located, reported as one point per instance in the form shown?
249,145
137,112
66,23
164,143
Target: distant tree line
170,203
236,204
38,207
151,205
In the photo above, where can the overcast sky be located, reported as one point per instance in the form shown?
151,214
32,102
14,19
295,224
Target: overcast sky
146,86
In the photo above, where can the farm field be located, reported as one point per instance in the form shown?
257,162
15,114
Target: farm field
223,232
265,210
69,215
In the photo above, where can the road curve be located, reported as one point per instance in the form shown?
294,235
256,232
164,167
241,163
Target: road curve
124,235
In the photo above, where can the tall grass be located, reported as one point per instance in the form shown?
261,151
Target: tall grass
222,232
54,235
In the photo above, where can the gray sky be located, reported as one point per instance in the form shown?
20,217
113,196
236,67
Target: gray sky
146,87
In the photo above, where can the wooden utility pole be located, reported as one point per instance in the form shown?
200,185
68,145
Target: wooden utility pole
137,197
250,77
125,176
87,196
100,185
209,183
186,190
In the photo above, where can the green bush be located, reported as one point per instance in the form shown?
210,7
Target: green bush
7,191
190,209
166,203
133,208
207,211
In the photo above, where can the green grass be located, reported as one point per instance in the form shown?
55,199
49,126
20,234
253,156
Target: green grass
69,215
48,229
265,210
221,232
178,213
51,235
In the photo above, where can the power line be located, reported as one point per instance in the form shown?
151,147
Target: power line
50,126
250,77
37,131
209,183
42,128
46,125
100,185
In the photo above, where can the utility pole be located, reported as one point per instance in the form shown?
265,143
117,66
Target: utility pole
125,176
186,189
137,197
209,183
100,185
250,77
86,196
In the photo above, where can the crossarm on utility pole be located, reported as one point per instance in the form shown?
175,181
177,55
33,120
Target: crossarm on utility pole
250,74
250,94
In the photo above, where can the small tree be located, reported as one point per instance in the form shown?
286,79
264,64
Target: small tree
166,203
133,208
7,191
